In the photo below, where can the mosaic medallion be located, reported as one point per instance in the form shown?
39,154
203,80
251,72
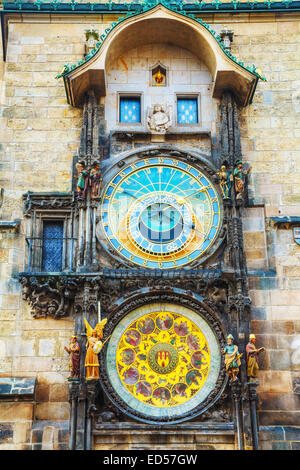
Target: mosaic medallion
163,362
163,359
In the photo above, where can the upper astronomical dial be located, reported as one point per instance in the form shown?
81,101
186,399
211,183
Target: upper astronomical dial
161,213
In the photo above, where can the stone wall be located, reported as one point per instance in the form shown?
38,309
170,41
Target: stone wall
40,133
131,73
184,437
270,133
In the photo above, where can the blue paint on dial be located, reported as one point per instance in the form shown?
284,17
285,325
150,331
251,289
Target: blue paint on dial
161,213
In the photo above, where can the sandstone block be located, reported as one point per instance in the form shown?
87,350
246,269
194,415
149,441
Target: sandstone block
25,347
275,381
279,418
7,327
46,347
49,378
59,393
52,411
16,412
285,297
19,79
42,393
33,364
279,359
21,432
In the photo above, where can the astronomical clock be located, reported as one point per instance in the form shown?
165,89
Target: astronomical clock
160,213
163,359
150,238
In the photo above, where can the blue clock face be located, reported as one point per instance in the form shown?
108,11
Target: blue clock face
161,213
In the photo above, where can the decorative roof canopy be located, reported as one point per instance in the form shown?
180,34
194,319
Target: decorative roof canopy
160,24
191,6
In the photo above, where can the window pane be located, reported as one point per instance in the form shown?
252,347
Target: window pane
52,246
130,109
187,110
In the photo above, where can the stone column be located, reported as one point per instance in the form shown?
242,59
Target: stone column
252,390
91,409
236,392
73,399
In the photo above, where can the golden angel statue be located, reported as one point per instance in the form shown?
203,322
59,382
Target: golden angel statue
93,348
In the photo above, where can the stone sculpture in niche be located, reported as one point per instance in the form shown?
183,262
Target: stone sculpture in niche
159,118
158,75
232,358
74,351
251,358
240,178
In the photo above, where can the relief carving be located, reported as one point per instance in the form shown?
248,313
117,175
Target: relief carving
49,297
159,118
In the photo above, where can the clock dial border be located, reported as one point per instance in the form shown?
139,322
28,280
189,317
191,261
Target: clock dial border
139,255
140,304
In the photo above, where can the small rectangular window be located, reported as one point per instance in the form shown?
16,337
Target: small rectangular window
187,110
52,246
130,109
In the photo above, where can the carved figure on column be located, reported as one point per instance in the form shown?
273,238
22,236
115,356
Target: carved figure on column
83,178
74,352
232,358
94,346
240,178
225,181
251,358
95,180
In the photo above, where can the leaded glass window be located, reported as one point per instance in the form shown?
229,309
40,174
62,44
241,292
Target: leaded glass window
187,110
52,246
130,109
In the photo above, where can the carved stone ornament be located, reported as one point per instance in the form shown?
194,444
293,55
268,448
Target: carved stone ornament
112,289
34,201
159,118
49,296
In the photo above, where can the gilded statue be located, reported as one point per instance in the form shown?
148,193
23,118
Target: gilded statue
226,180
240,178
93,348
159,78
251,357
83,178
74,352
232,358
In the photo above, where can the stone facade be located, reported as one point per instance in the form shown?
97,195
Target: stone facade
39,136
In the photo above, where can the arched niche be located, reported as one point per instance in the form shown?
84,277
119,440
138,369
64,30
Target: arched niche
161,25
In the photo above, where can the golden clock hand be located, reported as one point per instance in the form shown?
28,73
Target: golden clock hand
192,226
199,191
